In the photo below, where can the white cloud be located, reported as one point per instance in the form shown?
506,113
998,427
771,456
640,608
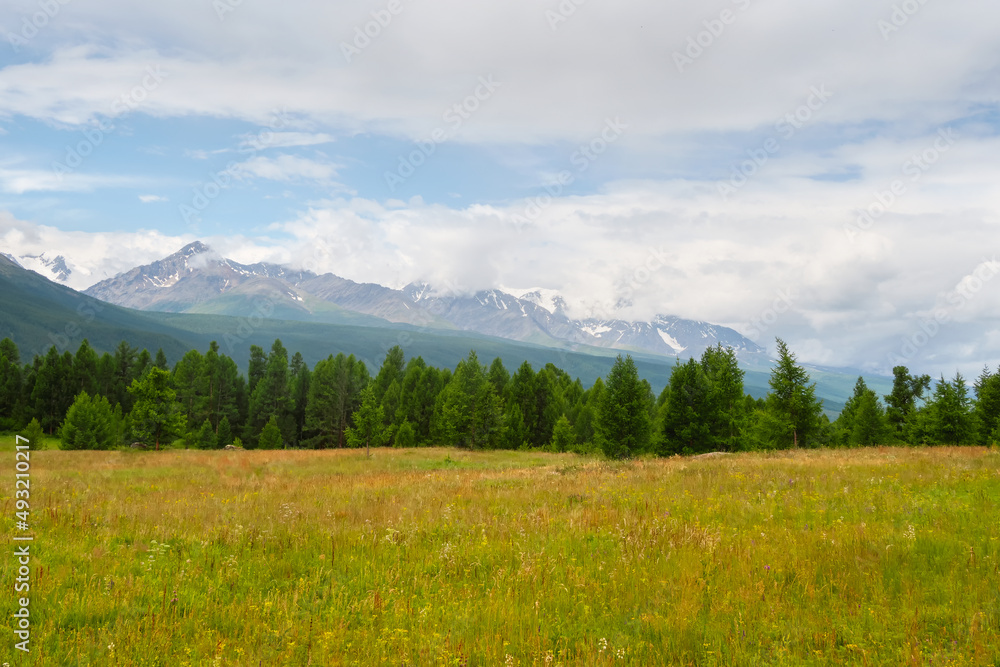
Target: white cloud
857,293
150,199
289,168
264,140
613,60
20,181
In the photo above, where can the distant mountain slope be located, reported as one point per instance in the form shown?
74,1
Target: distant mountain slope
37,313
196,280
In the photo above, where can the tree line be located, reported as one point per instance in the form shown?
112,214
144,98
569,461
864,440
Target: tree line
96,401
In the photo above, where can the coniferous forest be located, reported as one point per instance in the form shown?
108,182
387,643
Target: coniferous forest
203,401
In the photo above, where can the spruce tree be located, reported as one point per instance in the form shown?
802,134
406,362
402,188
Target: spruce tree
623,427
792,401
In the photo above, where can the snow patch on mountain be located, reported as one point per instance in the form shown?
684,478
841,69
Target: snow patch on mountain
671,341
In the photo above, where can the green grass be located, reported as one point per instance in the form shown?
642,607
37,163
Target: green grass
434,556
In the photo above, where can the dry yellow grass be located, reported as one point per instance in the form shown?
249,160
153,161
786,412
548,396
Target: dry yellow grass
433,556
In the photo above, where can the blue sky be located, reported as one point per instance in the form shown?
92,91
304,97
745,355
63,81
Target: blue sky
824,172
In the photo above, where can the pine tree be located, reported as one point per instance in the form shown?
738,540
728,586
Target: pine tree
406,436
85,369
687,413
123,370
623,426
334,394
469,409
726,396
563,435
52,393
257,368
89,424
369,423
225,434
204,437
155,414
792,401
901,404
862,423
11,386
34,434
270,436
271,396
987,389
299,395
950,414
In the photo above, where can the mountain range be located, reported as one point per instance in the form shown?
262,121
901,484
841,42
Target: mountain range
195,279
188,303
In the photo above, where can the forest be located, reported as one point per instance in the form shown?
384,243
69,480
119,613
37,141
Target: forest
203,401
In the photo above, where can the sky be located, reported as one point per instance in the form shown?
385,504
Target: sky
822,172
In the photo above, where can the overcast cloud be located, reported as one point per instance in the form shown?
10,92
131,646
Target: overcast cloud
824,172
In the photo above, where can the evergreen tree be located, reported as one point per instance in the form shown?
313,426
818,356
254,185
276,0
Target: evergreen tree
271,396
334,393
498,376
369,423
418,396
257,369
688,411
51,393
85,369
299,394
792,400
406,436
469,409
123,372
204,437
950,414
189,382
270,436
392,370
987,410
225,434
11,386
563,435
513,432
862,423
623,425
34,434
725,396
161,360
143,363
901,403
155,414
89,424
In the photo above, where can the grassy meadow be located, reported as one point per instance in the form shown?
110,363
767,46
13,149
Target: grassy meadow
444,557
